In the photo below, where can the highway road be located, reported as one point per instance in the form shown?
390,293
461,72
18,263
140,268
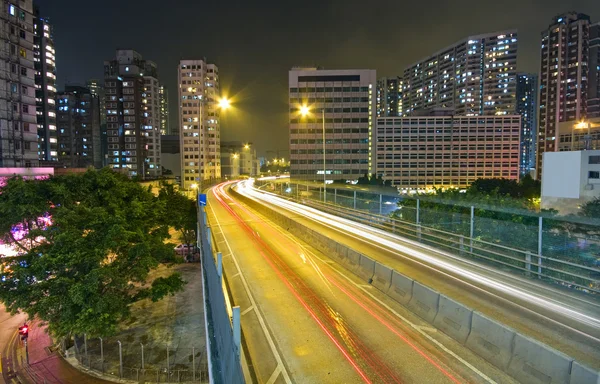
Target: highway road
8,331
566,320
306,319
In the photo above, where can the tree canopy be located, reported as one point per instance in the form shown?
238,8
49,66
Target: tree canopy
82,269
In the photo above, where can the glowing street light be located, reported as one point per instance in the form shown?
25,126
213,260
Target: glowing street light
304,110
224,103
582,125
194,186
246,146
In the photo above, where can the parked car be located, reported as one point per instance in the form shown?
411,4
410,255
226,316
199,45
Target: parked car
185,249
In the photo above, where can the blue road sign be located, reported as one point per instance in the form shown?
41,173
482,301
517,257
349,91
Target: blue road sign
202,199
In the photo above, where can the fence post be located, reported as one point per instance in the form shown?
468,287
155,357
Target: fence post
472,232
236,328
142,355
462,244
219,264
87,356
540,267
102,354
354,199
335,196
193,363
120,360
380,204
540,235
528,261
297,192
418,221
168,364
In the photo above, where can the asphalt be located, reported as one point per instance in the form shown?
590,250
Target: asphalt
306,319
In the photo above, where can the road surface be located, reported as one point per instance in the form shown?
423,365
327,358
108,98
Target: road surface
306,319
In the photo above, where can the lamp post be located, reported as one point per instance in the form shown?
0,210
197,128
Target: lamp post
304,111
582,125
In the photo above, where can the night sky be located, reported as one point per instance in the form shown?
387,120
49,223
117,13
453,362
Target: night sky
255,43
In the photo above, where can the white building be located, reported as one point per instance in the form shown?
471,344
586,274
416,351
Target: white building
18,122
347,100
571,179
199,122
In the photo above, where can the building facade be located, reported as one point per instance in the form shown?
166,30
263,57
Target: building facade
133,129
593,96
475,76
389,97
164,111
199,122
97,89
579,136
563,78
347,98
238,158
18,119
527,107
45,91
78,121
423,152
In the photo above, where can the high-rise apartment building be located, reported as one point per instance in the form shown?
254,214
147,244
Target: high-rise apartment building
199,122
563,78
475,76
45,88
347,101
78,121
389,97
593,97
18,121
132,114
444,150
527,107
164,111
238,158
97,89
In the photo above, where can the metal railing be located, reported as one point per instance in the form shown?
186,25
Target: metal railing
542,251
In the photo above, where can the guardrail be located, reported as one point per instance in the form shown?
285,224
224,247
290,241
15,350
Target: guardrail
521,261
222,322
523,358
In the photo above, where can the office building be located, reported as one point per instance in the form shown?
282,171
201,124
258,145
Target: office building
574,180
593,97
579,135
563,78
45,88
347,98
78,121
443,150
164,111
199,122
389,97
132,114
475,76
97,89
238,158
18,121
527,107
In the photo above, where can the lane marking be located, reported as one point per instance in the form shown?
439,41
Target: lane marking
418,328
247,310
261,320
275,374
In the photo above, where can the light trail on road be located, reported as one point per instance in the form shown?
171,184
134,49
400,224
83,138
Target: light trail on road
382,239
362,358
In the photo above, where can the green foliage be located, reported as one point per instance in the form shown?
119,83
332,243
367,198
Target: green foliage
180,212
373,180
526,188
82,273
591,209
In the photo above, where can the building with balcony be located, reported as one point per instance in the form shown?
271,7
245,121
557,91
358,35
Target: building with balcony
18,117
339,106
78,121
527,107
475,76
132,114
45,81
199,122
445,150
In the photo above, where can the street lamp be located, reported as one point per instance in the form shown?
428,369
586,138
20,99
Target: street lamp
224,103
304,111
582,125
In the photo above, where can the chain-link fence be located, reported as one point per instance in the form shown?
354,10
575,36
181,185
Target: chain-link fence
150,363
564,250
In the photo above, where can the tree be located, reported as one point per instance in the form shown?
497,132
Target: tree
81,270
180,212
591,209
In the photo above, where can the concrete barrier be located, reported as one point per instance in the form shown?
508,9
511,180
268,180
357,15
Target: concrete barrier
352,260
534,362
490,340
382,278
341,253
366,268
453,319
583,375
424,302
401,288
